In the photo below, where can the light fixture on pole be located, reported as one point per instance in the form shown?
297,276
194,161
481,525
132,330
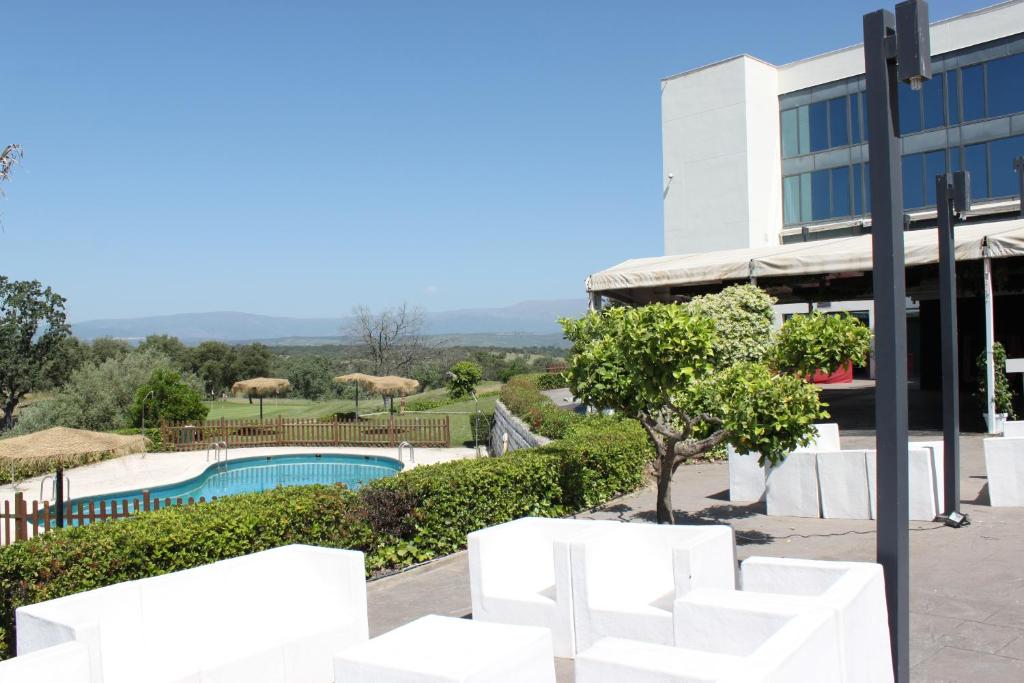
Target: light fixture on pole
896,48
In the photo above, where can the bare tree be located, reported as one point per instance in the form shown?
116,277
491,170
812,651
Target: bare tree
392,338
9,158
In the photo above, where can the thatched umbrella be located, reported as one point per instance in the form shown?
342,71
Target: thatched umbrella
60,446
386,385
260,387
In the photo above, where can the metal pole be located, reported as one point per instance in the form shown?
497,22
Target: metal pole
889,287
950,352
990,340
261,409
1018,166
58,489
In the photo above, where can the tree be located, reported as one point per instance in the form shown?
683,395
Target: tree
172,400
668,366
392,338
310,377
817,341
172,347
463,378
103,349
9,158
252,360
214,363
33,348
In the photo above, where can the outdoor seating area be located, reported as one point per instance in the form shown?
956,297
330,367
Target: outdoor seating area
645,603
823,480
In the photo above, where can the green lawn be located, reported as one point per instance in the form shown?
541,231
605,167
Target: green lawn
460,413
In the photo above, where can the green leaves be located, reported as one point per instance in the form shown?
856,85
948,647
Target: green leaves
463,378
743,316
167,397
819,341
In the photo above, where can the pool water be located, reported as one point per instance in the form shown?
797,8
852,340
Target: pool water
246,475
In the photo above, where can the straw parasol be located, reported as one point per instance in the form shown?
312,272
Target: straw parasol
65,445
386,385
260,387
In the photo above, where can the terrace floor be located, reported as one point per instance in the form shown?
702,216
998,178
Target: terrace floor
967,585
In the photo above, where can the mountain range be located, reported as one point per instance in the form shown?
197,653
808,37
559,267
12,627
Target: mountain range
528,323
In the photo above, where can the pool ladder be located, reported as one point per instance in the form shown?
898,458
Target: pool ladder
53,488
412,452
219,448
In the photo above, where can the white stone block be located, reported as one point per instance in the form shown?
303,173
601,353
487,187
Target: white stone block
843,484
827,438
1013,428
924,472
276,615
792,489
436,649
625,578
65,663
1004,467
519,574
746,476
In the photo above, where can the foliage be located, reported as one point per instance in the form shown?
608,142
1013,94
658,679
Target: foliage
172,347
552,380
97,397
523,398
743,317
463,378
214,363
103,349
33,330
251,360
818,341
172,400
424,404
1003,390
310,377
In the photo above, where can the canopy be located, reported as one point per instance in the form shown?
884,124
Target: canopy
386,385
999,239
261,386
64,443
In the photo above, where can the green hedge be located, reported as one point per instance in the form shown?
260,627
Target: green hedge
552,380
397,521
421,404
521,395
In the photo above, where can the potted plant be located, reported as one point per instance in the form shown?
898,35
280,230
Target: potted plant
1003,391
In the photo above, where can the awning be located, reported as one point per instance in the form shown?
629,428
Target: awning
998,239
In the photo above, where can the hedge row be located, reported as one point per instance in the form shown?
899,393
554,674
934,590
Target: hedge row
420,404
411,517
522,396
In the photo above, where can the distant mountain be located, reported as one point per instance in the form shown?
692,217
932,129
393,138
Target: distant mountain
527,319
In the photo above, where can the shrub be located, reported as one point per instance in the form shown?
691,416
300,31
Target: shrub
521,395
1003,391
463,378
167,397
552,380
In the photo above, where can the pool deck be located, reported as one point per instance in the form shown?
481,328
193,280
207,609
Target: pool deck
149,470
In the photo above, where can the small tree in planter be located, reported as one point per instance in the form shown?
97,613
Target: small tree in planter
693,387
1003,390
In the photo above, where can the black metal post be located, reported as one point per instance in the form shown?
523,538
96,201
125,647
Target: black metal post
952,194
1018,165
58,490
261,409
880,62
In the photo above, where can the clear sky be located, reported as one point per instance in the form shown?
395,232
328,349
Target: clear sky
299,157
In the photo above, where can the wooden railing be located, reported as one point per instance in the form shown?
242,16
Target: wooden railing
280,431
20,521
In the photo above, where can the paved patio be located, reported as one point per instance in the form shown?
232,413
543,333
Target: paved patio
967,585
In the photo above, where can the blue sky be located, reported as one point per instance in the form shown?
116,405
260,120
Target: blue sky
301,157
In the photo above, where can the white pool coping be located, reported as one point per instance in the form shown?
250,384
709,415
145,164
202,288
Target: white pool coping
149,470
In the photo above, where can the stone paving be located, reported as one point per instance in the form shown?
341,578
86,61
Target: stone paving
967,585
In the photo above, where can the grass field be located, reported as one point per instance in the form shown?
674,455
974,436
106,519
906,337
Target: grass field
460,413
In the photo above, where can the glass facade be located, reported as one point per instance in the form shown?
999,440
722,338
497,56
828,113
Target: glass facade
955,97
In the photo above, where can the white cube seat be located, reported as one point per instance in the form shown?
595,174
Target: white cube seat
626,577
748,479
843,484
721,639
1013,428
519,574
925,478
64,663
435,649
792,488
1004,467
273,616
854,591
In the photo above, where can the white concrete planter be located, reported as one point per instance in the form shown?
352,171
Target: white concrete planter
843,484
1004,466
748,479
1013,428
64,663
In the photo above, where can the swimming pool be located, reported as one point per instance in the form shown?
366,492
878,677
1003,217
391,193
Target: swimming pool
246,475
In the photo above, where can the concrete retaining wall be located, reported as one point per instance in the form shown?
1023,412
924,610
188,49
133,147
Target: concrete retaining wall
519,434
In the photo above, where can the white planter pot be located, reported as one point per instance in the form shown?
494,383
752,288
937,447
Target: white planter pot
998,422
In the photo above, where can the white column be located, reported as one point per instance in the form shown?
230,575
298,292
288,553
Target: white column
990,370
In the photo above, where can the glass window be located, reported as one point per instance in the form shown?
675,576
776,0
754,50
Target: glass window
791,199
934,103
819,195
972,82
1004,181
804,124
858,189
976,164
790,134
855,136
839,135
840,191
818,113
953,95
934,165
913,182
910,109
1005,88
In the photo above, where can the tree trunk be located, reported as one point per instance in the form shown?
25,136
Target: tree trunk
7,421
666,514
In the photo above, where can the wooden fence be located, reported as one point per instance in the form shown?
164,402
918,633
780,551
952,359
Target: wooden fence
20,521
280,431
